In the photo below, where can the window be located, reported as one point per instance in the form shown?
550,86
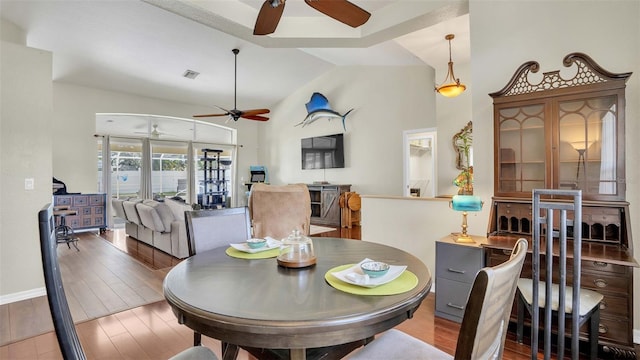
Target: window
169,169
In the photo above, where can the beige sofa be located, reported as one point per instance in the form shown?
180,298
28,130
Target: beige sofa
159,224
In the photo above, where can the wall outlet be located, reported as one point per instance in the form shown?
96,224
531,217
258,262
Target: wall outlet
29,184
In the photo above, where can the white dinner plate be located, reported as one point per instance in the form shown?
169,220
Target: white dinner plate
244,247
355,276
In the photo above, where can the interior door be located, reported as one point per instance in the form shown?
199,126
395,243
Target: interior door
420,163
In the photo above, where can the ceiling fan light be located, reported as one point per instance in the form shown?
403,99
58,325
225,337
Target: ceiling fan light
451,87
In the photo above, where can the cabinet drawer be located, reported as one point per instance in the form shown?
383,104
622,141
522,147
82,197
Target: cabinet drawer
451,296
458,262
614,305
599,266
62,200
517,210
96,200
605,282
615,330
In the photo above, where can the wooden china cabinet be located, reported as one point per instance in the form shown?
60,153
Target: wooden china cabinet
562,133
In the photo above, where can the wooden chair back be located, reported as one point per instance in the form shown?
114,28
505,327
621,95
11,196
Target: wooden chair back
60,314
209,229
278,210
558,285
486,317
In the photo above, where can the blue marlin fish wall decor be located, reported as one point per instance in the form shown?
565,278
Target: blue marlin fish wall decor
318,107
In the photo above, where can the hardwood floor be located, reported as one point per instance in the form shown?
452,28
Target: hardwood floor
99,280
152,332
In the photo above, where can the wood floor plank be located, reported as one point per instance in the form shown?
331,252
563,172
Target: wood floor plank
163,310
5,331
96,343
129,348
25,349
148,340
23,321
77,312
111,325
90,303
163,331
47,343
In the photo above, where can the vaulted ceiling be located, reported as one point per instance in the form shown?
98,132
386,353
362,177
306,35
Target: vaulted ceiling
144,47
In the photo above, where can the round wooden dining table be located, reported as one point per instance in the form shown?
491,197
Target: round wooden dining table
277,312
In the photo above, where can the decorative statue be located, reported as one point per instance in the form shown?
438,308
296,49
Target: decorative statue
462,142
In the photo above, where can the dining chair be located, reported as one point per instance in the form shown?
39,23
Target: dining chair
209,229
484,325
553,288
212,228
277,210
65,329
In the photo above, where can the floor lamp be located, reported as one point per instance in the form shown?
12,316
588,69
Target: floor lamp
581,147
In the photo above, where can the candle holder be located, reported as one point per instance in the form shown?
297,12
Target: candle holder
465,203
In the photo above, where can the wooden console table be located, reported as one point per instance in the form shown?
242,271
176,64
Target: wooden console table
325,203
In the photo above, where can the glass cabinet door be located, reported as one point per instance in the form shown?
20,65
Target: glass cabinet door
587,146
522,157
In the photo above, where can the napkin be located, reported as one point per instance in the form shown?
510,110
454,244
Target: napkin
271,244
354,275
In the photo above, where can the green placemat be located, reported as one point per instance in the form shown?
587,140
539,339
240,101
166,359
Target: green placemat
405,282
259,255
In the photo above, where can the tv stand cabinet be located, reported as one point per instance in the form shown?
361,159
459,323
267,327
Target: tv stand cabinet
325,203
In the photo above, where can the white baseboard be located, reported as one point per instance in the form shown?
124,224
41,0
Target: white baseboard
23,295
636,336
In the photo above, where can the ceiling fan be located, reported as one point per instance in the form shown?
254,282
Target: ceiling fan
155,134
235,114
342,10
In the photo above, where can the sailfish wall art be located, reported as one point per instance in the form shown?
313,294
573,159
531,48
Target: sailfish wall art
318,107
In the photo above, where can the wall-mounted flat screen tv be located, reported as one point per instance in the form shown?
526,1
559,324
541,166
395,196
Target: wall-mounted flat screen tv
323,152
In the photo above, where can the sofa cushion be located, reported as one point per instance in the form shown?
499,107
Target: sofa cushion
177,208
131,211
118,208
149,217
166,216
155,215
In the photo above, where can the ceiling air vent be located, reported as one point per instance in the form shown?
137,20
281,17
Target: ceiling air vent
190,74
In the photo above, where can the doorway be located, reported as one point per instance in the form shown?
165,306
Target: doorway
420,163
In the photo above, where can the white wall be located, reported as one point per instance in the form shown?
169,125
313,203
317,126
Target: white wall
386,101
25,152
452,115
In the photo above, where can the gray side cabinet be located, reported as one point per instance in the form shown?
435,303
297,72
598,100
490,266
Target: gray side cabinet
456,267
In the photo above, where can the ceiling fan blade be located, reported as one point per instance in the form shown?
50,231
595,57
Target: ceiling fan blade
341,10
209,115
255,112
268,17
226,112
255,117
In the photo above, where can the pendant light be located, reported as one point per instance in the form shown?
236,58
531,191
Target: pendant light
451,87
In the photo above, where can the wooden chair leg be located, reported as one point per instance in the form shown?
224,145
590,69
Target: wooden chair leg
197,339
594,325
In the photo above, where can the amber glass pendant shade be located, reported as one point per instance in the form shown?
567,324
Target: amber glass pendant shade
451,87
